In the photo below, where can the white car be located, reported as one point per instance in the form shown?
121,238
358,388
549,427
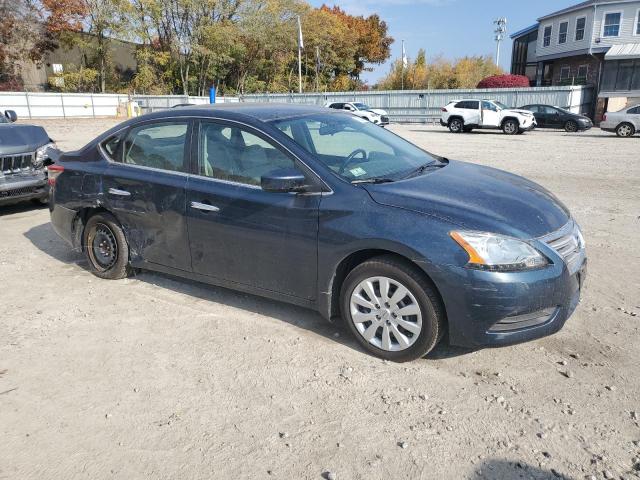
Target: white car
467,114
374,115
625,123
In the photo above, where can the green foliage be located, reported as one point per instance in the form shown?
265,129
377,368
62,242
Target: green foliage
74,80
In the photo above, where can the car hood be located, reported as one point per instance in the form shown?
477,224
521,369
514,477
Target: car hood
21,138
478,198
379,111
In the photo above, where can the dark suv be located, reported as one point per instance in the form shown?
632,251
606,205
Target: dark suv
322,209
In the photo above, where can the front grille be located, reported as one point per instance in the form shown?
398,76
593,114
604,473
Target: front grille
21,162
18,192
567,242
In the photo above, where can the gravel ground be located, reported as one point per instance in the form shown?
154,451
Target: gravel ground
156,377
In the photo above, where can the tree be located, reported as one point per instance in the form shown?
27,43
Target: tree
505,81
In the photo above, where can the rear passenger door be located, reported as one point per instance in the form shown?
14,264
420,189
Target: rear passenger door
144,187
470,109
239,232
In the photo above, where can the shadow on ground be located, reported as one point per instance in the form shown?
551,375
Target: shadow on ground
22,207
494,469
45,239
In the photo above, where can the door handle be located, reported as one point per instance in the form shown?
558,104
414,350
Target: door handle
204,206
121,193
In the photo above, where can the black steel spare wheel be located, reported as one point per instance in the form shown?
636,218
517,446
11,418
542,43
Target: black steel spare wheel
106,247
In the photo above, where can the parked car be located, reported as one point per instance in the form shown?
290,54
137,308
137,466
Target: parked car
465,115
625,123
556,117
23,151
323,209
374,115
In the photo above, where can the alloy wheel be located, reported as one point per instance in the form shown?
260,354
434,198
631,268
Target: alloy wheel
386,314
510,127
625,130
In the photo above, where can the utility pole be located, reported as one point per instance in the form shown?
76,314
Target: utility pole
500,31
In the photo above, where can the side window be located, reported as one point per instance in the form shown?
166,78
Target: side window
549,110
337,106
489,106
237,155
157,145
110,146
473,105
462,105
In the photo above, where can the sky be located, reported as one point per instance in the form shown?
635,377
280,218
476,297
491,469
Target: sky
452,28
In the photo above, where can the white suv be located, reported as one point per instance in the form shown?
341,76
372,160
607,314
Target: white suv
374,115
465,115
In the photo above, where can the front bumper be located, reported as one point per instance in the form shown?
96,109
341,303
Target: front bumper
23,186
493,309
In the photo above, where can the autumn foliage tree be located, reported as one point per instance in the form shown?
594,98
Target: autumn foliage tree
504,81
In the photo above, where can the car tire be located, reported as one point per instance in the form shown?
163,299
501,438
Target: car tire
424,329
625,130
510,127
571,126
456,125
106,247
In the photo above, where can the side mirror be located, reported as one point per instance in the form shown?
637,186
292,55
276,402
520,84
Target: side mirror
283,181
11,115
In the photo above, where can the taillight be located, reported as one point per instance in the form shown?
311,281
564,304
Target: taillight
54,172
444,109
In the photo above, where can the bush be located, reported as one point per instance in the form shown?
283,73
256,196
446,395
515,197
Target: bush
504,81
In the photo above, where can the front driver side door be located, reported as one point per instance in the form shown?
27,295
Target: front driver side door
239,232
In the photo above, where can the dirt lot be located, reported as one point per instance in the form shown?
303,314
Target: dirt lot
155,377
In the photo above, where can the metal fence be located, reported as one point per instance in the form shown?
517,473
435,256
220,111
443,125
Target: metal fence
403,106
63,105
423,106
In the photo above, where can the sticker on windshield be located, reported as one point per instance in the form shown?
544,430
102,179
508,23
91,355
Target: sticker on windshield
358,171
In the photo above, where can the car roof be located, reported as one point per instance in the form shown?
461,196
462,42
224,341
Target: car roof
261,111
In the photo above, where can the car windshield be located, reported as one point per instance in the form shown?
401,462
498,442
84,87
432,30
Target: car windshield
501,105
362,106
354,148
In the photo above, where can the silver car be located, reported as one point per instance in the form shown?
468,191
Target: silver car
625,123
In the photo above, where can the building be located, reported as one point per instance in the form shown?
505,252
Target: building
596,42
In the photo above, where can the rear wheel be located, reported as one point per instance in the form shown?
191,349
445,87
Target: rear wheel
571,126
106,247
392,309
510,127
456,125
625,130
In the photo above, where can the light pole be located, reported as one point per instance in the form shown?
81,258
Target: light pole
500,31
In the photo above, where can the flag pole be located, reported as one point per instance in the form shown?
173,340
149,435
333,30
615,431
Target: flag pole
300,47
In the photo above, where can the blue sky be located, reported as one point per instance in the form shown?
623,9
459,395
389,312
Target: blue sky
453,28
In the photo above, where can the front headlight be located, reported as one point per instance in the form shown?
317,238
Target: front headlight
41,154
490,251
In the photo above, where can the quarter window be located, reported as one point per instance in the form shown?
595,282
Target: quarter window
634,111
110,146
546,41
580,26
562,32
234,154
612,24
157,145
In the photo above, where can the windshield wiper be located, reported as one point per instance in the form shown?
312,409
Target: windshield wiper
422,168
374,180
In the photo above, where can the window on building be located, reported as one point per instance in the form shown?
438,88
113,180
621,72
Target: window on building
637,31
565,73
580,26
546,41
562,32
612,24
621,75
583,71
